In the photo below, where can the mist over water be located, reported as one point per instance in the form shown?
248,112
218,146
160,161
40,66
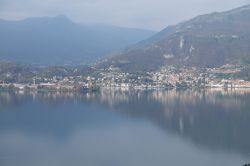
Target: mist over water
129,128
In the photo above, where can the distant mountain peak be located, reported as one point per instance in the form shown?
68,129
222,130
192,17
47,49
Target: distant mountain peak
62,18
59,41
48,19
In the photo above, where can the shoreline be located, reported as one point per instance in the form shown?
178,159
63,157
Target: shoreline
125,89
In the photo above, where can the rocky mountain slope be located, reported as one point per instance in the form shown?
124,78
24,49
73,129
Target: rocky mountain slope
205,41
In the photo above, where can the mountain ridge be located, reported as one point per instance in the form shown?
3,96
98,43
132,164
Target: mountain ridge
60,41
208,40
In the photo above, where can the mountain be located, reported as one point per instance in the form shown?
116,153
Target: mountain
58,40
205,41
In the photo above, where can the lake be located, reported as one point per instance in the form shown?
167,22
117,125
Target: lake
125,128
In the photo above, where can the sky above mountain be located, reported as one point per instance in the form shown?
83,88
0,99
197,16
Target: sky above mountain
147,14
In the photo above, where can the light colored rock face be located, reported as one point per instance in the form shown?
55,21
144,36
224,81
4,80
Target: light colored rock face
168,56
182,42
191,49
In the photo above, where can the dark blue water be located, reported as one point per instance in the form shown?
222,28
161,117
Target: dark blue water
114,128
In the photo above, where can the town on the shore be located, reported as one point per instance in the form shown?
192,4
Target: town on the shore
168,77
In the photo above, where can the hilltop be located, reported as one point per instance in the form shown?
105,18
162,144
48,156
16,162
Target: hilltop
210,40
60,41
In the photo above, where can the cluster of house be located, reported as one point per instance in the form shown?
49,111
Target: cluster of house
224,83
65,84
166,78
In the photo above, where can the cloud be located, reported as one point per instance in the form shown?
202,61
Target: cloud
151,14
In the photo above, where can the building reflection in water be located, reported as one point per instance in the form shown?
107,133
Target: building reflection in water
215,120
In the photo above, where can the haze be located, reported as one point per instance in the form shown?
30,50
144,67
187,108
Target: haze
147,14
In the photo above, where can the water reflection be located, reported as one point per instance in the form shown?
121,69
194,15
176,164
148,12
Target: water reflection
216,121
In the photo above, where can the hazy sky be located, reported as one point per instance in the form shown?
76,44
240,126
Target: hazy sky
148,14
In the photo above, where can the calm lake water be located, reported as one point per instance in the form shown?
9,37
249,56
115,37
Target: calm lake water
114,128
